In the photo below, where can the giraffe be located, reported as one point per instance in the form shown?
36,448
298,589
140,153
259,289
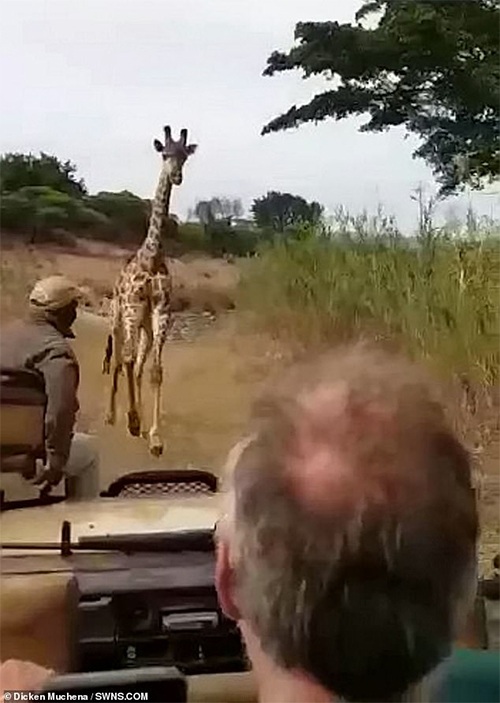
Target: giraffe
140,313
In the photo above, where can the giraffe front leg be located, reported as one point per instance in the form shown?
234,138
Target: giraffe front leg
145,345
161,323
131,331
155,439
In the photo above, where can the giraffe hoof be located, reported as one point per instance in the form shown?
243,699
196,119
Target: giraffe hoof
109,419
134,423
156,450
155,444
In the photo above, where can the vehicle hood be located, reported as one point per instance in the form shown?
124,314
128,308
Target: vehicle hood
110,516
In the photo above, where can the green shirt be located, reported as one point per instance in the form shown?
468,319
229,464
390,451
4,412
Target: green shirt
471,676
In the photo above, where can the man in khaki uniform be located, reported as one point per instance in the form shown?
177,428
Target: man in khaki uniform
40,344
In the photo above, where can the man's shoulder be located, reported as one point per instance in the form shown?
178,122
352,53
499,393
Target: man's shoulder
13,327
57,345
40,340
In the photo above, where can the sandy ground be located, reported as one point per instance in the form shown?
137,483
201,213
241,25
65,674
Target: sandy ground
209,384
200,283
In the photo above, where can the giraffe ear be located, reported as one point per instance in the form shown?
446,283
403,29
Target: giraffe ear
158,145
191,148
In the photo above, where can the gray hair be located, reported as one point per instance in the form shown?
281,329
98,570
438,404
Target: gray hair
365,594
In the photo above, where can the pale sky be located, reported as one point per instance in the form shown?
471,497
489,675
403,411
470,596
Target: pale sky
94,81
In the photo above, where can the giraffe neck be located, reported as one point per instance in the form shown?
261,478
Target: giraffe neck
151,250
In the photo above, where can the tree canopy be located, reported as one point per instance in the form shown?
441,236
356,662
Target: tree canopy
21,170
208,211
217,217
432,67
277,211
42,196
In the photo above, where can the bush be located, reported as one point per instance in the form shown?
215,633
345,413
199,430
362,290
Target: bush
20,170
89,219
225,239
17,211
37,210
41,195
126,215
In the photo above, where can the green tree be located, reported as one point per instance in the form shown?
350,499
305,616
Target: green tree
207,211
432,67
221,234
127,214
17,211
230,208
279,211
20,170
37,210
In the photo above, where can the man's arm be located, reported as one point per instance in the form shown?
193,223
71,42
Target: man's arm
16,675
60,373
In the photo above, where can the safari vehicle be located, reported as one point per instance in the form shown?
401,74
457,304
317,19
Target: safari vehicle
117,594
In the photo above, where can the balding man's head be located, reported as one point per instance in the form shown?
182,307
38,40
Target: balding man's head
354,525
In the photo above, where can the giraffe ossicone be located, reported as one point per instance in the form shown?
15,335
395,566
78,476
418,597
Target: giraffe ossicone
140,312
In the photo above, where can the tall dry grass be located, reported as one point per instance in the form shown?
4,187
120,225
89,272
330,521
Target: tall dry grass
435,296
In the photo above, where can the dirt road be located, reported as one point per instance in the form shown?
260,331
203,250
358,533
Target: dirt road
211,376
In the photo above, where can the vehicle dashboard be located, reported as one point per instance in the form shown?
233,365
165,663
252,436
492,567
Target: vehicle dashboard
91,612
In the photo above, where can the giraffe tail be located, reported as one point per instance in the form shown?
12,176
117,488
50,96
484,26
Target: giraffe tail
108,355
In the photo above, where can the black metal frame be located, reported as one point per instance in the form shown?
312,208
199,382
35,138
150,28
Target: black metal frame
201,540
13,393
42,500
20,395
162,476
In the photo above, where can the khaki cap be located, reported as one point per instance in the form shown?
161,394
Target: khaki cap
54,293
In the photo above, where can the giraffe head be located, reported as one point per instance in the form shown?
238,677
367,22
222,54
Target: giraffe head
174,154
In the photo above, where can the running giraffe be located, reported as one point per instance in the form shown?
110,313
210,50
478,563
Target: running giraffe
140,314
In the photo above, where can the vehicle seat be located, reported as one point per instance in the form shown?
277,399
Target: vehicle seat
22,421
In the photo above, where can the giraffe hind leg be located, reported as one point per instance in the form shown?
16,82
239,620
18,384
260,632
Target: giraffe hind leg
110,417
